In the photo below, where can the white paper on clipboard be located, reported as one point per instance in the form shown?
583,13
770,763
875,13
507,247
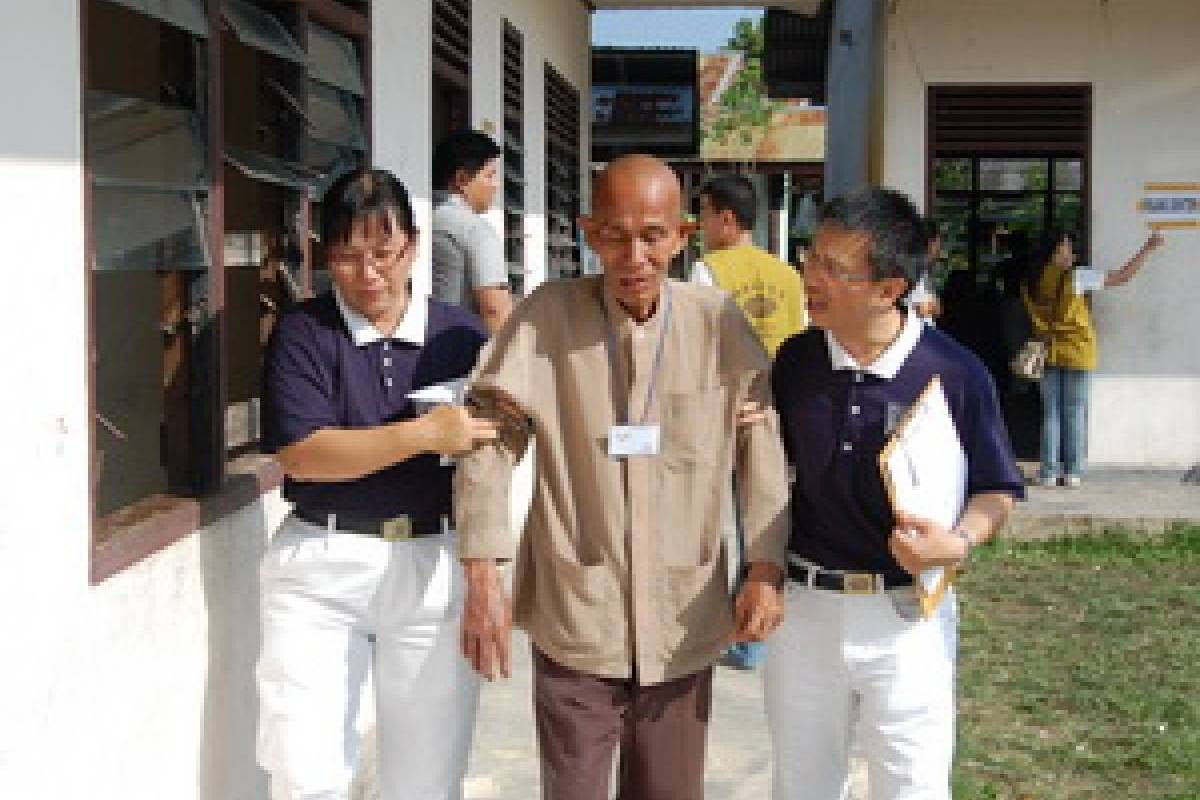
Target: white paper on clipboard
446,392
924,469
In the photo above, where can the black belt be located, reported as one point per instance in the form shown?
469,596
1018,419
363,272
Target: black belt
391,529
844,581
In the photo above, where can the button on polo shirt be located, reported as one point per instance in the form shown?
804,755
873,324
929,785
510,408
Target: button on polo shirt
835,415
328,367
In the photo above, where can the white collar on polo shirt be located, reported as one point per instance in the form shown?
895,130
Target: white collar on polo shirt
889,361
411,327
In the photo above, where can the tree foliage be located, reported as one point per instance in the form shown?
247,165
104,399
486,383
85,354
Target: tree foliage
744,105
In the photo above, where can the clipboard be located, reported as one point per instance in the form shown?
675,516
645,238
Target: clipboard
924,469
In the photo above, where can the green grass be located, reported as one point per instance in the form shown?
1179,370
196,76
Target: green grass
1079,669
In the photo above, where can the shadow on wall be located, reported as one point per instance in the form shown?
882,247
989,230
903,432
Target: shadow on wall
230,557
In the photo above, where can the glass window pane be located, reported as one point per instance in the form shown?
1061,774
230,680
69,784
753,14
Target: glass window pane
332,59
1068,213
136,142
335,117
953,217
130,403
272,170
331,161
1068,174
291,104
1005,220
136,229
952,173
258,29
1013,174
188,15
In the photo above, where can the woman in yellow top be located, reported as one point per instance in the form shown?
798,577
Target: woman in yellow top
1054,296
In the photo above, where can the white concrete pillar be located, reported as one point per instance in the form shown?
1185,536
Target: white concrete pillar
534,102
402,108
487,87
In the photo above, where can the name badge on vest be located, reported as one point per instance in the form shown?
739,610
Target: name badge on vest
633,440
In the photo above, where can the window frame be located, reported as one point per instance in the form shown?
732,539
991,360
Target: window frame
1052,151
563,167
119,539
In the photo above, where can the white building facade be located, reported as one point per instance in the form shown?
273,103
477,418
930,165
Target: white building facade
1138,61
128,674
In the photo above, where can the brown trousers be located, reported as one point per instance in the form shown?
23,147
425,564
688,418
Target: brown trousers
662,731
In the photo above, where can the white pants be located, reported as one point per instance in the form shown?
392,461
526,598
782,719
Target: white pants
331,601
845,667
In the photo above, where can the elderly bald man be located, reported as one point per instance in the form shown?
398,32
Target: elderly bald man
631,387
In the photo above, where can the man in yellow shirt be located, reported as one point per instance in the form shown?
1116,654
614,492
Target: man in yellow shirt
769,292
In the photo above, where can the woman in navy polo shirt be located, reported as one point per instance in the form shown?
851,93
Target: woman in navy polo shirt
363,571
853,655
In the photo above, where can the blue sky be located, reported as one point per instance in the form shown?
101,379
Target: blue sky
706,29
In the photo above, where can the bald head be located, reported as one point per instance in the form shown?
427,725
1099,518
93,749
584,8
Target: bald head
635,229
636,180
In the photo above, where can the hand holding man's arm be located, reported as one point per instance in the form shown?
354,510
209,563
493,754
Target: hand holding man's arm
495,303
481,496
345,454
760,471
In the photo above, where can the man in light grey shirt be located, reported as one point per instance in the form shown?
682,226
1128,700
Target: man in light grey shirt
469,268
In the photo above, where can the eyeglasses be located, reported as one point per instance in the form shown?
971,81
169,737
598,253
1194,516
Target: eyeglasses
611,236
378,257
826,267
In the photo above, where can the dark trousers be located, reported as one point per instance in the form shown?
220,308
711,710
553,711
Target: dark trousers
661,729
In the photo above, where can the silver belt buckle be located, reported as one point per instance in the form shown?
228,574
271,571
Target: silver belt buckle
396,529
859,583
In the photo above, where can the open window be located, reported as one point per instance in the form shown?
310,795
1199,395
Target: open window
267,189
451,66
211,129
512,44
149,179
336,141
562,176
187,15
337,136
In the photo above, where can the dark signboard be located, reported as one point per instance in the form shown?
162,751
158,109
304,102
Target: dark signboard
644,101
796,53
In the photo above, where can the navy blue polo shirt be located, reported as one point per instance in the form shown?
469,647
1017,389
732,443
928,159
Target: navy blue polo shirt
835,418
327,367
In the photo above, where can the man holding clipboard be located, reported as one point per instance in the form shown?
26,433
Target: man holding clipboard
902,465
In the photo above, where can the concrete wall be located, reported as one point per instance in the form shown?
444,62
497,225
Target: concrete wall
558,33
142,686
139,687
1141,58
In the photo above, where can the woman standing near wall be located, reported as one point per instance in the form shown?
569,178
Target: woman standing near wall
1053,293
